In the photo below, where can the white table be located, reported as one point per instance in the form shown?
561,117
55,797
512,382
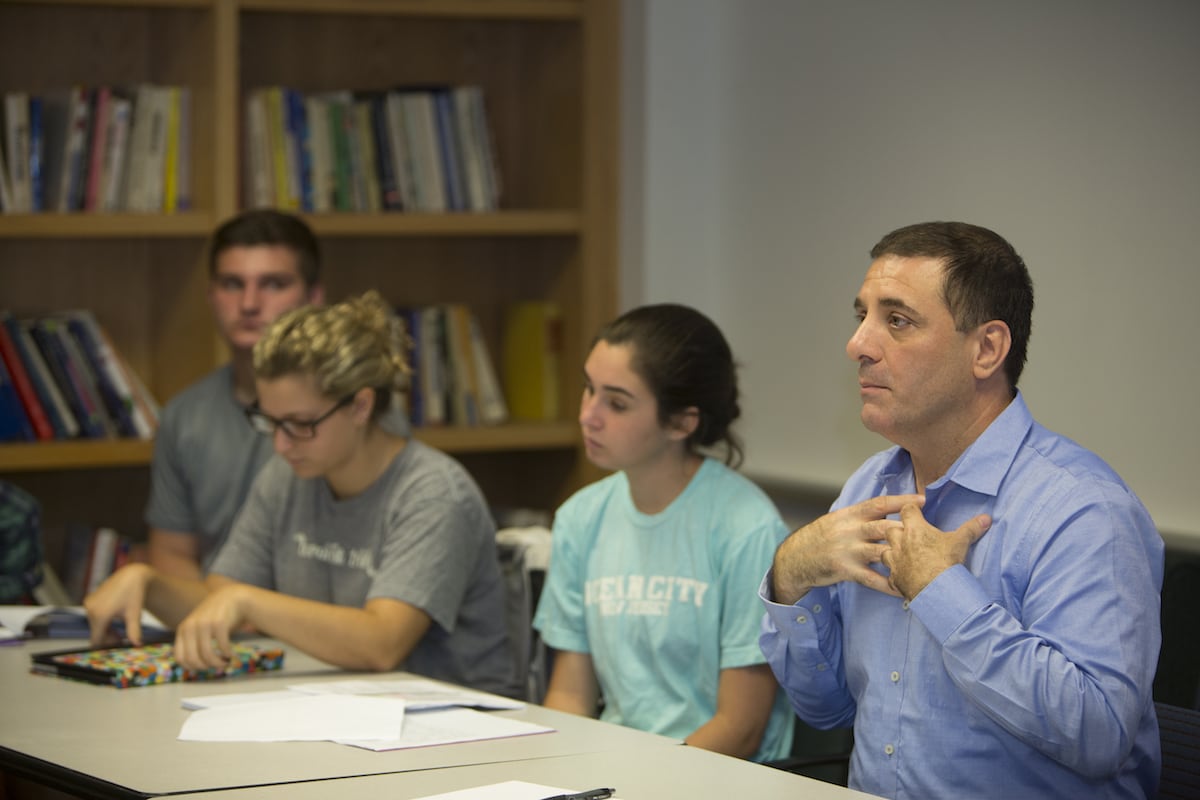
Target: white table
672,773
106,742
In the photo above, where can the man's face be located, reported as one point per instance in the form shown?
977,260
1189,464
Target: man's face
251,287
915,370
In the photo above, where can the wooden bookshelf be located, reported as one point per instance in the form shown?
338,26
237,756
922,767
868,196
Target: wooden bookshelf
549,72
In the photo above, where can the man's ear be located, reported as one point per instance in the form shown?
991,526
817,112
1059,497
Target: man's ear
316,295
993,341
684,423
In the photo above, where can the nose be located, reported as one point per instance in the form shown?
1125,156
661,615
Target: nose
281,441
588,418
249,299
861,345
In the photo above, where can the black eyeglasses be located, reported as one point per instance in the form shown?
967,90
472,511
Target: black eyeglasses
293,428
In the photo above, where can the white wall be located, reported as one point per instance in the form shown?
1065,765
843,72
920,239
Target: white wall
770,143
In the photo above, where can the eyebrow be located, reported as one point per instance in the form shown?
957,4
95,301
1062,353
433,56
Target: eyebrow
608,387
891,303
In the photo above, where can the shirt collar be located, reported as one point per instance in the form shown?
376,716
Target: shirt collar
982,466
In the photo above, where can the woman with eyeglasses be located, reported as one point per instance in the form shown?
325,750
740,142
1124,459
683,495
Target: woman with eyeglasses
365,549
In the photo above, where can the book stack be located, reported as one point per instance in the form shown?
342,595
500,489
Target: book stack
103,149
416,150
62,378
454,379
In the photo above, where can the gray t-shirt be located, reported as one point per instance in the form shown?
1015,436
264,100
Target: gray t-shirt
205,457
421,533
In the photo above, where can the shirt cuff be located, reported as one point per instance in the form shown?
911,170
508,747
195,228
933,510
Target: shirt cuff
948,601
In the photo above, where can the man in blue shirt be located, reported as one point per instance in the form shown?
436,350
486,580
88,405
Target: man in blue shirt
982,603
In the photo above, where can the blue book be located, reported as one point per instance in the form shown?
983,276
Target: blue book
450,148
412,326
38,374
14,424
45,334
389,185
37,138
297,123
118,407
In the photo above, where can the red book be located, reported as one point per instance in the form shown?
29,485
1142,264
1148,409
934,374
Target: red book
29,399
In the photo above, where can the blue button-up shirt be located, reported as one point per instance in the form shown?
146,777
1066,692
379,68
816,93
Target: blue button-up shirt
1025,672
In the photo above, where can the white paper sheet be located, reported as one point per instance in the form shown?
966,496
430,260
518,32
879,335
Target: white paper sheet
235,698
418,693
449,726
303,718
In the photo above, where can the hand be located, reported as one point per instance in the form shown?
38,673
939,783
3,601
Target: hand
839,546
121,597
917,552
202,640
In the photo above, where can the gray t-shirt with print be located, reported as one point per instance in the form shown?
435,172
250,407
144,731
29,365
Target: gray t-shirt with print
421,534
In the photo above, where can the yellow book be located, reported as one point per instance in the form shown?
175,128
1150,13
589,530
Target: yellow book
532,349
171,162
286,197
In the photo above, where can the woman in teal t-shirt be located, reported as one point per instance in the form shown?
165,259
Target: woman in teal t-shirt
651,600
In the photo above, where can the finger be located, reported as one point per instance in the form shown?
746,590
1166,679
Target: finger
873,580
133,626
975,528
224,648
98,627
911,513
880,507
878,530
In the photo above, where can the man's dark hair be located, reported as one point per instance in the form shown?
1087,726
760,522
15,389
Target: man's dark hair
266,226
984,279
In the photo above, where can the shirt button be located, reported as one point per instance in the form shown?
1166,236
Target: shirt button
887,748
822,667
895,676
802,619
905,605
817,608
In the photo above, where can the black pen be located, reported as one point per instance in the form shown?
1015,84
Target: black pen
590,794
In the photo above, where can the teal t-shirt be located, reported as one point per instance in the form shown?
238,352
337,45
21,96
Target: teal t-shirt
663,602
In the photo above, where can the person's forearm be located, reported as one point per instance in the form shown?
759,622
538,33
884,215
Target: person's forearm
724,734
172,598
572,703
350,638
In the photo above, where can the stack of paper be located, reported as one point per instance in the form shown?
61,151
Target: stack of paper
375,715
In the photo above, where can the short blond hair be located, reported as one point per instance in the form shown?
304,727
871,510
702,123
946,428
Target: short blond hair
356,344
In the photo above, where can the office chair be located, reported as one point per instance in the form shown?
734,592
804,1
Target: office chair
824,755
524,557
1179,733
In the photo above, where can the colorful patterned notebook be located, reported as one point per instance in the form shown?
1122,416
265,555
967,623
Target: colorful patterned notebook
149,664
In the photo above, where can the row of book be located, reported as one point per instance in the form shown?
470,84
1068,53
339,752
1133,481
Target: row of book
454,378
103,149
421,150
91,554
62,378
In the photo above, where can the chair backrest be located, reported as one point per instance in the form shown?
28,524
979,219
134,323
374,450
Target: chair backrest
1179,733
524,558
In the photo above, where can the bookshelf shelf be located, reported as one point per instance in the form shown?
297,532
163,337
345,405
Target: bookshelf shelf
548,70
104,226
528,436
79,454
